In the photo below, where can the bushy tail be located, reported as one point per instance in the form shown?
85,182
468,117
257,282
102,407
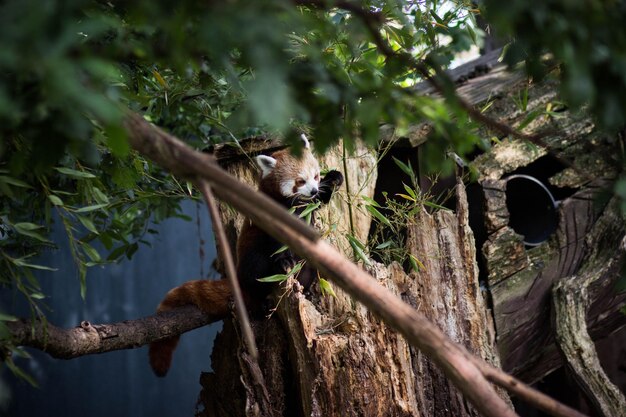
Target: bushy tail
212,297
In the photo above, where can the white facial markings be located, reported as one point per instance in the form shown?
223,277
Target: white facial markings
305,184
311,185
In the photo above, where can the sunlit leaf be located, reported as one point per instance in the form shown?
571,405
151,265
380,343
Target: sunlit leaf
74,173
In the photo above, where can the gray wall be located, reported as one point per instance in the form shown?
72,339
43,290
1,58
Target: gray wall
118,383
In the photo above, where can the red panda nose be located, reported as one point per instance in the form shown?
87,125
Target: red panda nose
314,191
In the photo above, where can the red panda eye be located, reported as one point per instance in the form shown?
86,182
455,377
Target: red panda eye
300,182
317,177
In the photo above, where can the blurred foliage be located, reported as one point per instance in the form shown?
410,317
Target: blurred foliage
208,73
587,40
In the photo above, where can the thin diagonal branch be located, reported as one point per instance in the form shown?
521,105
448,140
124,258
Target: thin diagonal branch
229,264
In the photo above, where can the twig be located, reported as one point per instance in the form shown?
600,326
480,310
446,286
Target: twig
229,264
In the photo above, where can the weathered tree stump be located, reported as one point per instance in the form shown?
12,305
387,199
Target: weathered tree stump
323,355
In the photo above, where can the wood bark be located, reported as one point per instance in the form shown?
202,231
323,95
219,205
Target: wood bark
87,338
571,302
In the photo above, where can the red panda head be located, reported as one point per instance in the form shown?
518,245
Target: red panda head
284,175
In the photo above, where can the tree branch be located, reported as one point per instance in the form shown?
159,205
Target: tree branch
231,272
87,338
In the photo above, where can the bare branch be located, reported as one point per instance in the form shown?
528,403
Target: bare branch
87,338
231,272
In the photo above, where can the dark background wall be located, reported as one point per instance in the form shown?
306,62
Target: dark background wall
117,383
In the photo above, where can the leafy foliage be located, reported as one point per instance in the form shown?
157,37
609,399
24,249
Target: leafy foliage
391,220
585,37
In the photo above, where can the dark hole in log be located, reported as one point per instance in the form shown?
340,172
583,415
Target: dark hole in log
532,209
532,201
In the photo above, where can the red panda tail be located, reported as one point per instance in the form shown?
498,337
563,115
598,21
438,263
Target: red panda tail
212,297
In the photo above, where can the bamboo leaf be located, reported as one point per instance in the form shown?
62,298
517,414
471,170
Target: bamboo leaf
55,200
309,209
91,252
280,250
29,229
90,208
88,224
18,372
407,169
326,288
378,215
7,317
74,173
359,249
274,278
14,181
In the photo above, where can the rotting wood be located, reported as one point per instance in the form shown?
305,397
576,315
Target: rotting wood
571,304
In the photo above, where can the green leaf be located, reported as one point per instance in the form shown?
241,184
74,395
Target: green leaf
370,201
55,200
416,264
5,333
14,181
18,372
410,191
529,118
385,245
99,196
87,223
91,252
309,209
404,167
326,288
21,262
359,249
90,208
7,317
28,229
74,173
296,268
117,253
378,215
117,140
274,278
280,250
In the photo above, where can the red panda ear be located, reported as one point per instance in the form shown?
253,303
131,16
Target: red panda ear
266,163
305,141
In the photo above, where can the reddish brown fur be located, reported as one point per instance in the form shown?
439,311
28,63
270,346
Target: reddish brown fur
212,297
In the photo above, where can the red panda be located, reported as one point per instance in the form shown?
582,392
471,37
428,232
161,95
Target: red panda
292,182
